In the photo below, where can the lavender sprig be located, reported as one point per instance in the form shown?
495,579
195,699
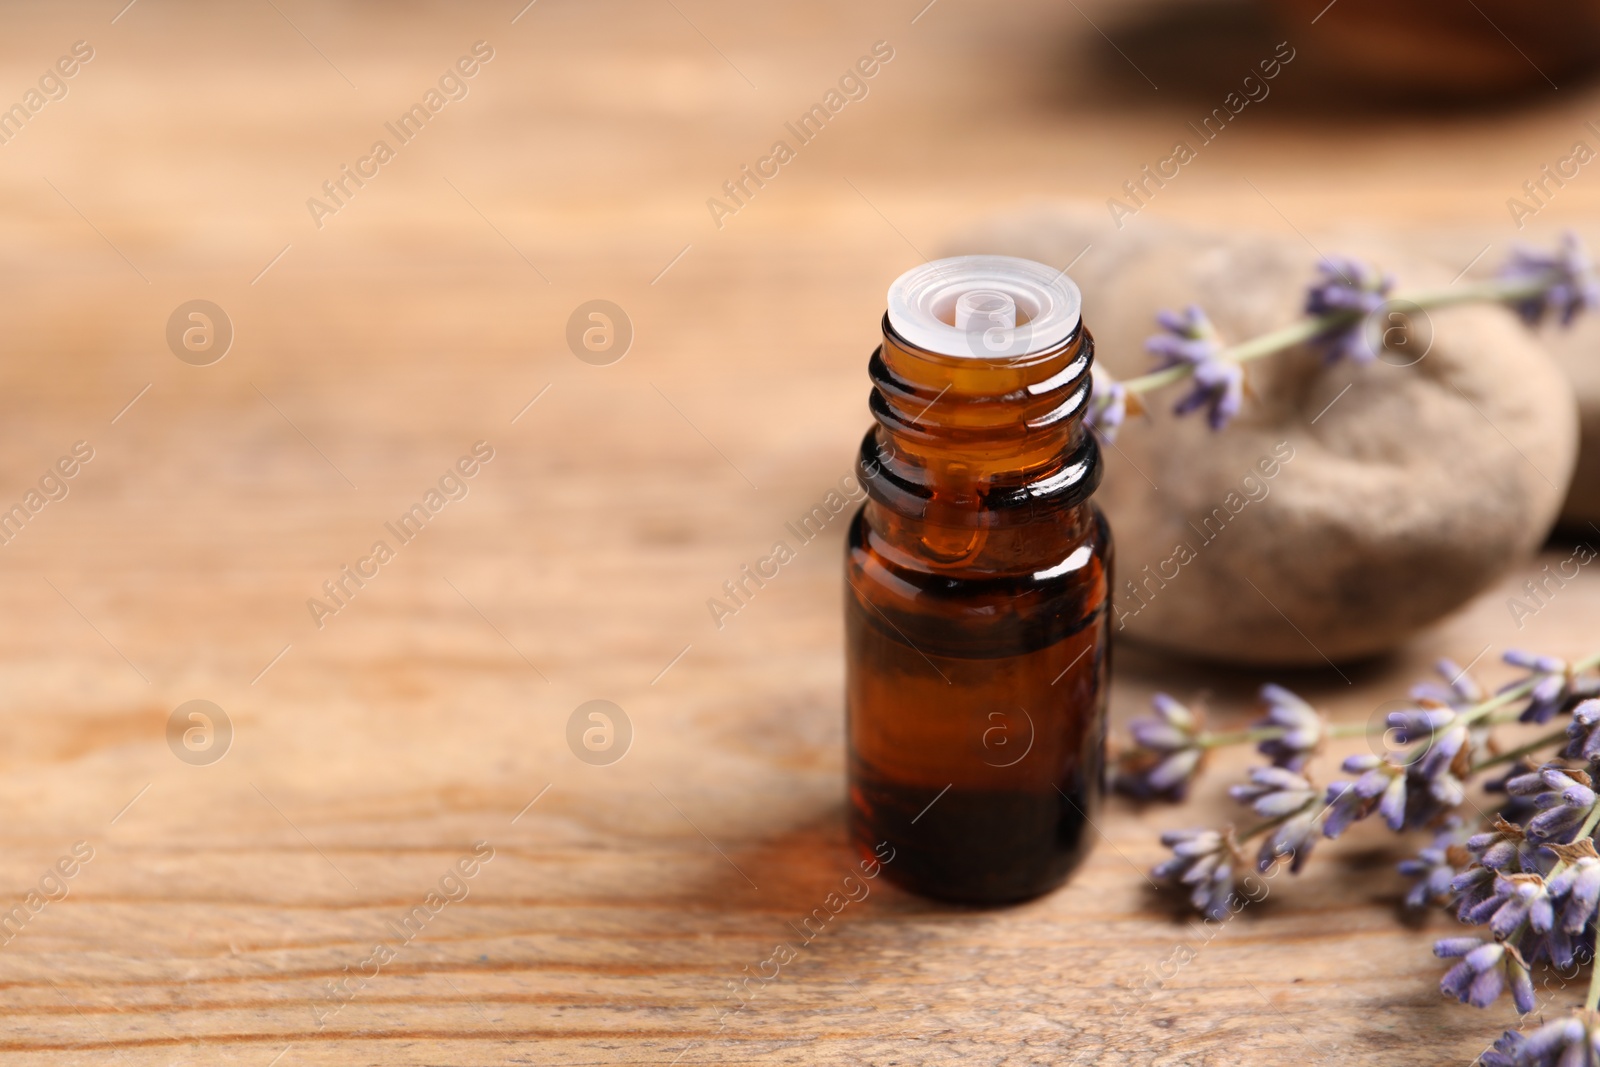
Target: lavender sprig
1530,880
1339,307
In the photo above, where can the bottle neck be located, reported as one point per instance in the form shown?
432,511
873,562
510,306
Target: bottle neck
979,464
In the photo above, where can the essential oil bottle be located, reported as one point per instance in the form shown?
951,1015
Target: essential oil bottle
978,587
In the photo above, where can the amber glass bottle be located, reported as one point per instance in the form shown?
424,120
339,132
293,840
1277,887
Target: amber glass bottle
978,586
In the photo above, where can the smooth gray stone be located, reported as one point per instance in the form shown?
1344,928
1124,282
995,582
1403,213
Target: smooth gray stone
1398,490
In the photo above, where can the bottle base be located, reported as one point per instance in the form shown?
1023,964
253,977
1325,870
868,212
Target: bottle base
985,848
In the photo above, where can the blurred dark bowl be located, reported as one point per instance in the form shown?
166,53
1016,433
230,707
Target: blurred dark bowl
1449,48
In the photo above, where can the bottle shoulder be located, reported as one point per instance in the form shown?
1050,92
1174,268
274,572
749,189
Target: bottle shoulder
964,613
1055,564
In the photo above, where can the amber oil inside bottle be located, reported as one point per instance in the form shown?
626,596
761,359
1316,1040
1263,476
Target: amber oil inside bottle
978,574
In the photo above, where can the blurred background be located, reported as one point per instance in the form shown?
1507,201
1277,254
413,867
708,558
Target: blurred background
379,332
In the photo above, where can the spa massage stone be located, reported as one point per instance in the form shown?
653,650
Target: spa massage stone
1350,505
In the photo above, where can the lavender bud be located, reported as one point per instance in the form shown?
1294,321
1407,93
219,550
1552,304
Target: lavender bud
1476,980
1217,383
1166,752
1108,409
1575,893
1204,862
1568,277
1274,792
1436,867
1584,732
1458,691
1349,290
1302,725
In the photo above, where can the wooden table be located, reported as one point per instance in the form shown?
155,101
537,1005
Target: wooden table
223,899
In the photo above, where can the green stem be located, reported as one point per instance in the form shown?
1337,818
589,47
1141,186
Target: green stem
1593,999
1272,733
1239,737
1583,831
1518,752
1499,700
1489,291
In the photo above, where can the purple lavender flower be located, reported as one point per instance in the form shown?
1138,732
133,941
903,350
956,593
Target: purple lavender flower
1508,1052
1563,797
1575,891
1584,732
1563,1043
1190,337
1549,677
1518,899
1516,810
1406,796
1379,783
1278,793
1203,861
1477,979
1500,853
1302,724
1555,945
1167,752
1459,691
1432,782
1420,723
1217,382
1503,848
1556,686
1274,792
1489,904
1218,386
1472,887
1521,908
1569,281
1292,838
1108,409
1437,866
1350,290
1433,767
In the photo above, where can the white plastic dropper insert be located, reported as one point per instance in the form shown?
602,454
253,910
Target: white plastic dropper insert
984,307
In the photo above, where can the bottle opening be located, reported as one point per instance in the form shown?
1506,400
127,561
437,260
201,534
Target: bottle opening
984,308
988,307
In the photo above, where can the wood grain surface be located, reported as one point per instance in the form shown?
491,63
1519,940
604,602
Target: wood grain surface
622,902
